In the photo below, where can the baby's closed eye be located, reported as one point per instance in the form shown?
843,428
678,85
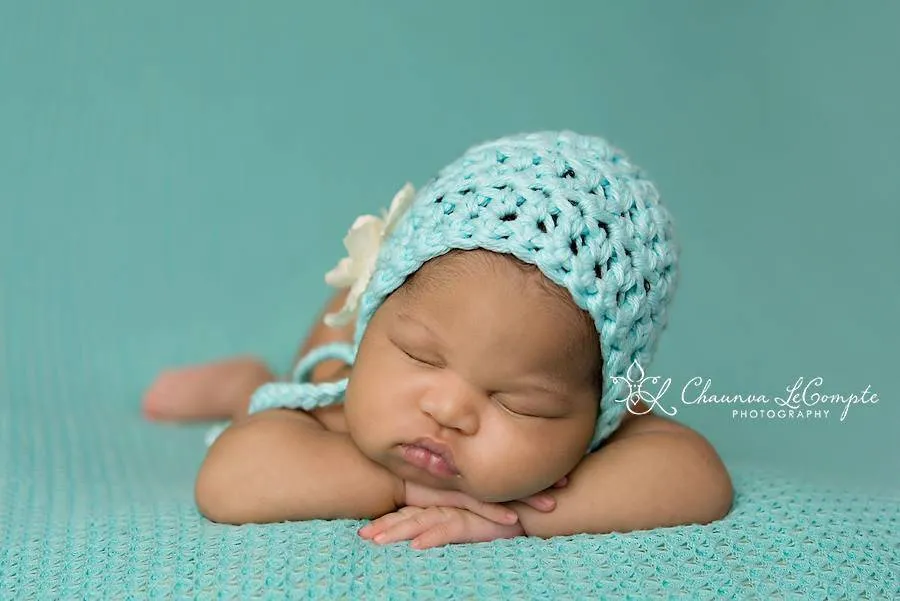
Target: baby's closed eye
518,405
418,359
418,356
521,407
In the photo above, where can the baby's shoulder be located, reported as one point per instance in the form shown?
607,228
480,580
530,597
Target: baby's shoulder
639,419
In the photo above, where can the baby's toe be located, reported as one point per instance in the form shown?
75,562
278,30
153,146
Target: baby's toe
158,402
175,395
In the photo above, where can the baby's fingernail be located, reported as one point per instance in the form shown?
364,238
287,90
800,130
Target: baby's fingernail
546,502
511,516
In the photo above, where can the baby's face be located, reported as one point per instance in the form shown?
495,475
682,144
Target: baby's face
475,354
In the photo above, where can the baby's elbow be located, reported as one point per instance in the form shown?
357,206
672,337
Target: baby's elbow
212,501
212,495
721,497
717,488
218,493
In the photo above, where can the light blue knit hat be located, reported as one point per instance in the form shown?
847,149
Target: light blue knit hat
573,205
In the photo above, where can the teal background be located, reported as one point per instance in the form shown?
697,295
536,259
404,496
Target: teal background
176,178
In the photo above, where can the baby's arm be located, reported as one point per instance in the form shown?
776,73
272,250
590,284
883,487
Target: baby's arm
652,473
281,465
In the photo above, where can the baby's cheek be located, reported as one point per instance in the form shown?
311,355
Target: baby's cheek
355,410
509,472
367,421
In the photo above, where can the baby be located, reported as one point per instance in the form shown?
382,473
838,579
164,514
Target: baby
468,384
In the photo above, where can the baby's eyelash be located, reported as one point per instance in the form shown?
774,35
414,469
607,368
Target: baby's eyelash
506,408
516,413
413,357
416,359
520,414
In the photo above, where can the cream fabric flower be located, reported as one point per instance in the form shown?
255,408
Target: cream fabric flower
363,242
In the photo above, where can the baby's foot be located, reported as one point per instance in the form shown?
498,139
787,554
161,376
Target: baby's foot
209,391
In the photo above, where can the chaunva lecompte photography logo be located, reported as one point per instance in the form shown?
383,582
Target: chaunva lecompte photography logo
805,399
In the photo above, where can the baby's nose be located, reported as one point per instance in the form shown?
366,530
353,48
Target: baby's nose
453,406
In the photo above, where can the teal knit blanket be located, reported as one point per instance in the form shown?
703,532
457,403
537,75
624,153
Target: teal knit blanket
93,511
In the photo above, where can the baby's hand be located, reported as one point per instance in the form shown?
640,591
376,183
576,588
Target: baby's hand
437,526
420,496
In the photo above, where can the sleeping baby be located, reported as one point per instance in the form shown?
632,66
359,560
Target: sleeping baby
467,382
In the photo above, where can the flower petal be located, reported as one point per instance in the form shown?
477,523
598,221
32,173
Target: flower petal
363,242
341,318
341,276
399,205
364,237
348,311
402,198
356,291
359,286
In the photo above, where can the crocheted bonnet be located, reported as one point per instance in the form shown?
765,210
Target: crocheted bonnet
573,205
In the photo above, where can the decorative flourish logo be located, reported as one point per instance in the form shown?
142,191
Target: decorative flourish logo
635,379
804,401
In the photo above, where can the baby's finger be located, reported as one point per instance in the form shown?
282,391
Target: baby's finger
540,502
543,501
495,512
376,527
464,527
422,496
445,533
411,526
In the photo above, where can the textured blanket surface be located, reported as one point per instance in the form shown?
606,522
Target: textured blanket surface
88,510
177,177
